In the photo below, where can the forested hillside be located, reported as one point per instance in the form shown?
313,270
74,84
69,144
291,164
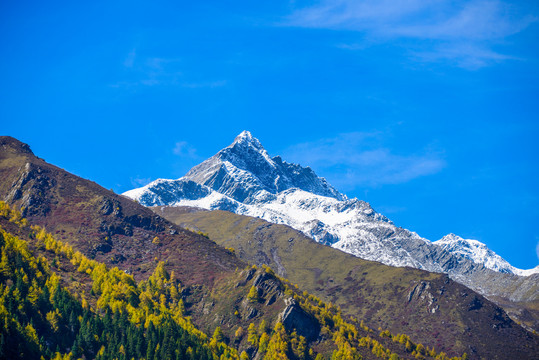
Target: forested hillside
118,319
48,312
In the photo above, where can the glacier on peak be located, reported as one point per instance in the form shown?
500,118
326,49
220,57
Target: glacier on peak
244,179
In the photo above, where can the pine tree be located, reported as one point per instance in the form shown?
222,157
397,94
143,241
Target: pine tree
253,294
252,336
218,334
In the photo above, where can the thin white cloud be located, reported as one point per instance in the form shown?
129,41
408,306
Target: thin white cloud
537,250
470,29
149,72
356,159
158,71
183,149
140,181
466,55
205,84
130,59
355,15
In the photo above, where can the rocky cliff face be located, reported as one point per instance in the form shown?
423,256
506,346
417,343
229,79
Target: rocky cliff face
295,318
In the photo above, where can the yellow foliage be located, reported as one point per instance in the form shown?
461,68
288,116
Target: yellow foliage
252,336
53,317
263,342
253,294
31,334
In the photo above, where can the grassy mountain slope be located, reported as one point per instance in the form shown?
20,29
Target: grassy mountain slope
434,309
84,228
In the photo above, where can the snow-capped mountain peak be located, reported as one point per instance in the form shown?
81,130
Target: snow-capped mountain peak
245,138
244,168
244,179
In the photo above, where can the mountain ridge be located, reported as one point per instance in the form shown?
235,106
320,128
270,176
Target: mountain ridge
242,178
353,226
478,252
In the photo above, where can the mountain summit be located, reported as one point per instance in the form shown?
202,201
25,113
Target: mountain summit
245,172
245,138
244,179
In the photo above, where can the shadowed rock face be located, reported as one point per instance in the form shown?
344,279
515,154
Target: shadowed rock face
14,146
31,189
294,317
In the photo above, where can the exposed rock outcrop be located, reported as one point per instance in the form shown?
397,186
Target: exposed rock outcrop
294,317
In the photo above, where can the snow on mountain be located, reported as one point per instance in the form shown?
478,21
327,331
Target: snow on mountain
244,169
479,253
244,179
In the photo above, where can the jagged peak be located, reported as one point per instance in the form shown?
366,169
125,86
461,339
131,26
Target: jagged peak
245,138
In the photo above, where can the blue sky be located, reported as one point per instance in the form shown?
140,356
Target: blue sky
427,109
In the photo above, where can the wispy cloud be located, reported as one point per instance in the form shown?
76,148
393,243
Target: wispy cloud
464,31
357,159
130,58
140,181
149,71
466,55
205,84
184,150
143,71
